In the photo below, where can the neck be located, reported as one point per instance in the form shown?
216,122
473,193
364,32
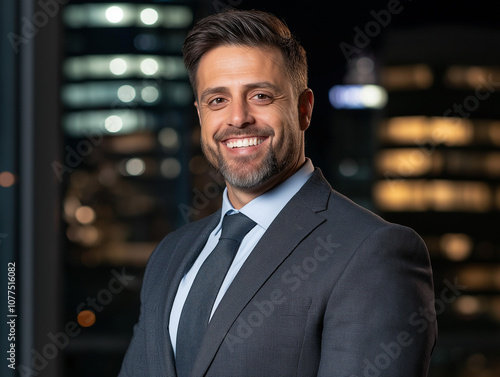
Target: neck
241,197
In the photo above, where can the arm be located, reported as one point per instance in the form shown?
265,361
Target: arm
135,361
372,325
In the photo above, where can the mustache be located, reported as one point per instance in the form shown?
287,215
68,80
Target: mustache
228,133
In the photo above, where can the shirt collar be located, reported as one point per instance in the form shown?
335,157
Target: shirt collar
264,208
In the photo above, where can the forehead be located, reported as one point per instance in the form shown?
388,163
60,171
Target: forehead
230,65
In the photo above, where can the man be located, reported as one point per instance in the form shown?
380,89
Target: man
318,286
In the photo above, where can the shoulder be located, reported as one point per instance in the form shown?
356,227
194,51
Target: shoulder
351,222
195,226
172,249
360,218
320,197
372,238
185,233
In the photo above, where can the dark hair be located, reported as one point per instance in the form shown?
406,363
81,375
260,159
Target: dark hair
245,28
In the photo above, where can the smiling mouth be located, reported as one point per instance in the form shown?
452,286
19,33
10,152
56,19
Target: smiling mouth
243,143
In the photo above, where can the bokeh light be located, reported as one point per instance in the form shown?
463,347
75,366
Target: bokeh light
118,66
149,16
7,179
113,123
114,14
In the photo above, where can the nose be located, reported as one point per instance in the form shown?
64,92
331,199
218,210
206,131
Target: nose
239,114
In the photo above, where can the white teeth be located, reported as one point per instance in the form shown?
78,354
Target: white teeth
241,143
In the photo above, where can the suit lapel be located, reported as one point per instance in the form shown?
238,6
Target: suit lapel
297,220
162,356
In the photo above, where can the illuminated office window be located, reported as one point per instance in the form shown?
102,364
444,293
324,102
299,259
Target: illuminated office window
127,15
473,77
407,77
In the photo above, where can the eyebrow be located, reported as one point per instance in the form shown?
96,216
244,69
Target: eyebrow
225,90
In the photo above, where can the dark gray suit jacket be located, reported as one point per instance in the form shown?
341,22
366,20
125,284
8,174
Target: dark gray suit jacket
331,290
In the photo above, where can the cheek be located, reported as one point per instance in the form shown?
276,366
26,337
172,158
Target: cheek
208,128
274,119
284,128
206,135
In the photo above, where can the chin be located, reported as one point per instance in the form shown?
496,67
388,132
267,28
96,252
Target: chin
244,182
248,177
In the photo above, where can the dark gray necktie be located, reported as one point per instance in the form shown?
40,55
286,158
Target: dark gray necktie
196,311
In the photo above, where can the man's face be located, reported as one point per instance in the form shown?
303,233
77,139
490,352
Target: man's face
251,128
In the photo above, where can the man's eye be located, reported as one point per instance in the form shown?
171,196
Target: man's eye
217,101
262,97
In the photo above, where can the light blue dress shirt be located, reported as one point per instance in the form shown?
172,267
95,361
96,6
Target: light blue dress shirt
263,210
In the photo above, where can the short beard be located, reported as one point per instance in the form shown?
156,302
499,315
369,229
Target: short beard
251,179
242,180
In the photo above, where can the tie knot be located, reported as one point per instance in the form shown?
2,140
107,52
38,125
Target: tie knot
235,227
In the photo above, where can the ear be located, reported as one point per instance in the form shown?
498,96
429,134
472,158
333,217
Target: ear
306,104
